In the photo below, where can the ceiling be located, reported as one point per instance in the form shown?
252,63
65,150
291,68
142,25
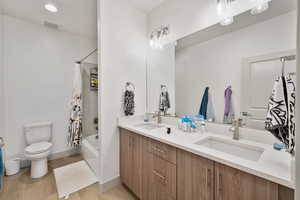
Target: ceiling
76,16
146,5
277,7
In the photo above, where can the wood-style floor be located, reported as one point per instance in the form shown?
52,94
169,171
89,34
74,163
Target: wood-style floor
22,187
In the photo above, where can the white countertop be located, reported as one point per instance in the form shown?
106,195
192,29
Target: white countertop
273,165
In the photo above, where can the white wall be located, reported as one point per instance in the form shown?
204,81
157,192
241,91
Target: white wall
297,192
217,63
123,45
161,71
189,16
1,78
38,68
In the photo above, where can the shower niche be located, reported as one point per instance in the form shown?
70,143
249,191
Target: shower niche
94,79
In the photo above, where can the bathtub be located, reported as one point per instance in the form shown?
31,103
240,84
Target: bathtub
90,152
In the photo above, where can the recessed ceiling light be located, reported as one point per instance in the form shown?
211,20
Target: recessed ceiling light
51,7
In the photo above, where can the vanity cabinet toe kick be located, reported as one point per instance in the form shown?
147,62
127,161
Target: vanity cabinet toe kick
152,170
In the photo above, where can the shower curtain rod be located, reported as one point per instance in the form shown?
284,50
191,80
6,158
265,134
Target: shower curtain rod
283,60
83,59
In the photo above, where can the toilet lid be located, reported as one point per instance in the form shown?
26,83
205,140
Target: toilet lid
39,147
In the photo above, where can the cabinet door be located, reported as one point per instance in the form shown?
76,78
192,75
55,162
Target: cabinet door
126,157
136,170
195,177
285,193
130,161
146,170
232,184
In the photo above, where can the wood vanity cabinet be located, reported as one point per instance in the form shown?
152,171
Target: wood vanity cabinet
195,176
233,184
156,171
202,179
131,161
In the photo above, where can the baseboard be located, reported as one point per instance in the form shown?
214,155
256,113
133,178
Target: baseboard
24,163
110,184
63,154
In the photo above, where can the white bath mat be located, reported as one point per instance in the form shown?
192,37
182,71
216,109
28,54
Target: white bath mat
72,178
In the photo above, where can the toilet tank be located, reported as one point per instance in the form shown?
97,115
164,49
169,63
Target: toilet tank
38,132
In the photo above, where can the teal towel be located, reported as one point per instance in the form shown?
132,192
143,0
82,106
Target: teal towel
204,103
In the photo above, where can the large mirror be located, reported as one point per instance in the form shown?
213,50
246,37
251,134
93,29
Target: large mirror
225,72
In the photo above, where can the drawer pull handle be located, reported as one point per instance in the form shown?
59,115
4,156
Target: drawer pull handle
163,178
158,150
208,177
220,183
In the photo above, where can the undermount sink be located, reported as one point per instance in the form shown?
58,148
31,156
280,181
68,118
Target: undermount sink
232,147
149,126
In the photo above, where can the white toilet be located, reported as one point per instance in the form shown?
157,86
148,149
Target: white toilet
38,138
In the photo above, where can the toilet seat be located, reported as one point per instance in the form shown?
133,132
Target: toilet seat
38,148
37,156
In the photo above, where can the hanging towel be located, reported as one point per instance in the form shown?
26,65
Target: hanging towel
210,109
228,112
129,103
75,122
164,102
204,103
280,119
1,168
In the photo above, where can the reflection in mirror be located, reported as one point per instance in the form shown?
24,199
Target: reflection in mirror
206,72
161,78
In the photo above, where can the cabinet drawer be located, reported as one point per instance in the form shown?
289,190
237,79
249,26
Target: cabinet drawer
163,179
162,150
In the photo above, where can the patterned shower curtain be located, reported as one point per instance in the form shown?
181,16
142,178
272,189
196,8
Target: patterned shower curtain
75,121
281,112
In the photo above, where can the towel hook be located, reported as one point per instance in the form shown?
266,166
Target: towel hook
282,60
127,86
163,88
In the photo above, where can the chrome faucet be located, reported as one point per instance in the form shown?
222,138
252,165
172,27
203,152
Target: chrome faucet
158,115
235,128
155,115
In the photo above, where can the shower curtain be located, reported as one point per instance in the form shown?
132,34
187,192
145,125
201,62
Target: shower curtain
280,119
75,121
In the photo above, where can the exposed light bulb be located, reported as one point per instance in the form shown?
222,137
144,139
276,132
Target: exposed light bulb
224,9
151,42
260,8
227,21
157,37
220,8
51,7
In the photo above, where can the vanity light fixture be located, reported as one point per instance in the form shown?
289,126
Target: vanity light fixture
227,21
51,6
261,6
157,36
224,11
